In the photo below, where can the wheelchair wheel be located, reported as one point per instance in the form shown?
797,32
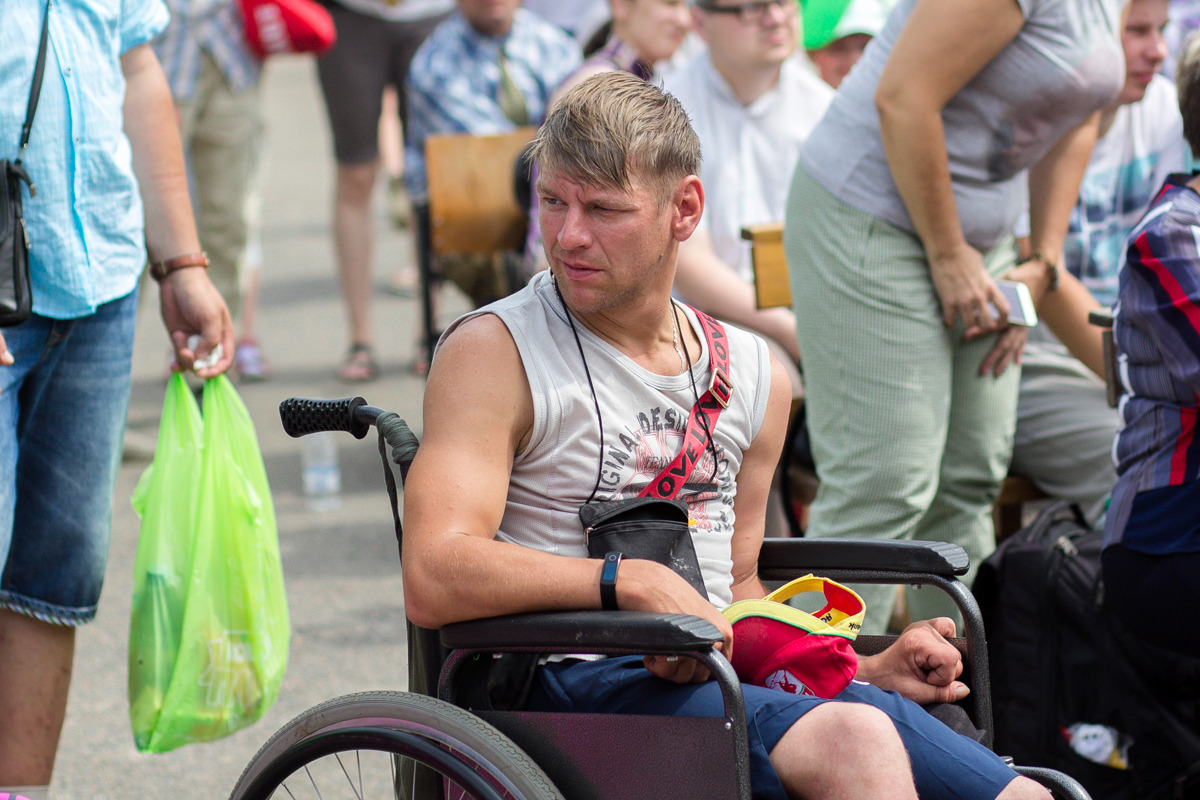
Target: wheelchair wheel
391,745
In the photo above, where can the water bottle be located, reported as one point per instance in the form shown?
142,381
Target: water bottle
322,478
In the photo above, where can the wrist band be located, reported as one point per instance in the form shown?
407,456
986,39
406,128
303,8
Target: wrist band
161,269
1038,255
608,581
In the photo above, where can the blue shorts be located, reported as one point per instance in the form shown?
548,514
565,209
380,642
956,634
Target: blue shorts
62,420
945,764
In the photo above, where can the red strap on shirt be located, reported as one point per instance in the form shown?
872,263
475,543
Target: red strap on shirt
709,407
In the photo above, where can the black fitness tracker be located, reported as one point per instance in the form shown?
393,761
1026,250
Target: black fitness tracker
608,581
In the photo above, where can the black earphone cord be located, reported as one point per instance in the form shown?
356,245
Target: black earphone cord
596,402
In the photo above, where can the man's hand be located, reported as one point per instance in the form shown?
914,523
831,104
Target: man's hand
6,358
678,669
191,305
921,665
648,586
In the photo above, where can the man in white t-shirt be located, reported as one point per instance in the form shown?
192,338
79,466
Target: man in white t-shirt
753,102
1065,428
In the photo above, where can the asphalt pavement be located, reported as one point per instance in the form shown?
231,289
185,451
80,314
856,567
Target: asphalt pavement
341,568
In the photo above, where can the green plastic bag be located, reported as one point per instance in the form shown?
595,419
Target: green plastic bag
209,630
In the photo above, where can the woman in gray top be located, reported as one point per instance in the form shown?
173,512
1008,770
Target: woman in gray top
899,221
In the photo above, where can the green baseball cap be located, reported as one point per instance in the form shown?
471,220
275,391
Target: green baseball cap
826,20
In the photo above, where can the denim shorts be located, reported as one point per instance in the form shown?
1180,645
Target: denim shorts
63,406
946,765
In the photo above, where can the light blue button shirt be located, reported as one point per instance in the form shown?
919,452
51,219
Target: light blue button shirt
86,222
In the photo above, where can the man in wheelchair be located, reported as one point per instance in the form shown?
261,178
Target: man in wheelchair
592,386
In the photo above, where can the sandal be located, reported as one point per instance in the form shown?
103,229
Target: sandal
359,366
404,282
420,362
249,362
399,206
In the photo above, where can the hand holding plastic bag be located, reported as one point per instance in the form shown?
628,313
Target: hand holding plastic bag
209,631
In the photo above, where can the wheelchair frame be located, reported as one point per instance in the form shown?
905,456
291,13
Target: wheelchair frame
437,750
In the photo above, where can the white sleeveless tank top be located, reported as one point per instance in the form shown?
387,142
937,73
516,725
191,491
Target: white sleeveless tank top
644,417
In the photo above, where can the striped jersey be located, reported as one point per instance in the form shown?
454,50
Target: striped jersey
1157,334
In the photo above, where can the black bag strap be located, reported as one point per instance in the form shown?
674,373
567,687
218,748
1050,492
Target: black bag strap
35,90
1059,509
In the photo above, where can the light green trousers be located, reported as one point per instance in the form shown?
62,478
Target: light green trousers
222,135
910,441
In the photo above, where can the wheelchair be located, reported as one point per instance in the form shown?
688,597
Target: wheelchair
438,741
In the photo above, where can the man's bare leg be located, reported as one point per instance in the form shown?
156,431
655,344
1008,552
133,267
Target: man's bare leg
35,674
848,750
844,751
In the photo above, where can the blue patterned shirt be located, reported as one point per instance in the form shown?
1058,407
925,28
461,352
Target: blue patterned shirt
205,26
454,80
1157,333
86,223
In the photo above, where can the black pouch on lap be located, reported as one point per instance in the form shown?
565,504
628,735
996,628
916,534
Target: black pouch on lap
652,528
496,682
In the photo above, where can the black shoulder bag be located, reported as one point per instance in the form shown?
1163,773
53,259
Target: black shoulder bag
16,297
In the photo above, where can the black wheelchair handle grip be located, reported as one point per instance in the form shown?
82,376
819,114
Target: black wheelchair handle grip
303,415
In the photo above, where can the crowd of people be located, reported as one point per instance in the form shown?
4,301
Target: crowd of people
918,153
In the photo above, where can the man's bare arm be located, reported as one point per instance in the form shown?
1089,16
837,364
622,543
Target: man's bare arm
189,302
478,414
754,484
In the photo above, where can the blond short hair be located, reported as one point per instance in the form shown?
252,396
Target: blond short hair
613,127
1187,81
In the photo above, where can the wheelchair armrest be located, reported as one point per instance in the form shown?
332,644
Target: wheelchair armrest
605,633
584,632
780,558
868,561
1103,318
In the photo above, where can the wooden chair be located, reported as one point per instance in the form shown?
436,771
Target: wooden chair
772,290
473,206
1103,318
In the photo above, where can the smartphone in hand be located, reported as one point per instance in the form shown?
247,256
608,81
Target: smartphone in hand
1020,303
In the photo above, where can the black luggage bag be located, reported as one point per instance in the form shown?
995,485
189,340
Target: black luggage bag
1072,690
